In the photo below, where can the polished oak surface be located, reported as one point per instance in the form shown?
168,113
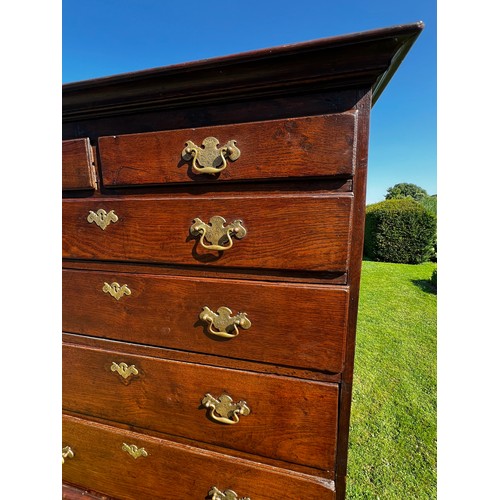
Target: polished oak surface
145,302
165,311
291,420
78,171
295,232
299,147
172,471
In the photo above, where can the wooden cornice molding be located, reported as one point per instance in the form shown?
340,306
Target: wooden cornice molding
367,59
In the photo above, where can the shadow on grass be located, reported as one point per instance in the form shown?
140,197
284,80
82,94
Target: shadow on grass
425,285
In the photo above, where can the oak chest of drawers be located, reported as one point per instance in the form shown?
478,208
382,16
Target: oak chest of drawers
213,217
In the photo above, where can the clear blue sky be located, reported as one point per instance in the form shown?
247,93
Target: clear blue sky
106,37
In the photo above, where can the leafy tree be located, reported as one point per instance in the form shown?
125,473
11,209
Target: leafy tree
406,190
430,204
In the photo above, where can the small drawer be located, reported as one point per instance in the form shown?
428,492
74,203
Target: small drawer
287,232
294,325
316,146
278,417
77,165
169,471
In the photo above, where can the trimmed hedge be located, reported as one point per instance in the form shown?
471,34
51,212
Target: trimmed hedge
399,230
434,278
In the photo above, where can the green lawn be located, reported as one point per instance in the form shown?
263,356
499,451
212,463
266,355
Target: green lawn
392,442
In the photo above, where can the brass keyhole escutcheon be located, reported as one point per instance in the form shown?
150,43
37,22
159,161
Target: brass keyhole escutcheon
124,370
215,234
209,158
134,451
102,218
116,290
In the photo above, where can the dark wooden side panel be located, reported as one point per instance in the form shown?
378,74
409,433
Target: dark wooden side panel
290,419
354,275
172,471
77,165
298,147
294,232
164,311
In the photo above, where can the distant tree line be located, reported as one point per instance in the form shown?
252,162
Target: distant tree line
407,190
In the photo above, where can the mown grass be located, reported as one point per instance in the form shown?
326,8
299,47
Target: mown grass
392,442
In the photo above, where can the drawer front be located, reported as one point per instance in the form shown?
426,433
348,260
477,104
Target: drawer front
287,419
298,232
169,471
77,165
294,148
285,324
70,492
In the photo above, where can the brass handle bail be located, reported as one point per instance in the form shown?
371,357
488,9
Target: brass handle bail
216,494
67,452
211,159
216,234
223,321
223,409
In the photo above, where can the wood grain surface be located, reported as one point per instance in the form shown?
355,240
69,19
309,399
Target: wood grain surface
70,492
356,60
354,276
299,232
299,188
78,171
272,275
200,358
299,147
291,420
291,325
173,471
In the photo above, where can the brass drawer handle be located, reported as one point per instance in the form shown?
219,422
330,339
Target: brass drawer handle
102,218
216,494
216,234
67,452
115,290
124,370
211,159
222,320
134,451
223,410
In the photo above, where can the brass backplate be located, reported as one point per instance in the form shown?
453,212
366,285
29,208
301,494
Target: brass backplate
223,409
216,494
209,158
222,324
216,233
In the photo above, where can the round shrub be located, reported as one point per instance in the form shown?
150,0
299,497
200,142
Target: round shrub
399,230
